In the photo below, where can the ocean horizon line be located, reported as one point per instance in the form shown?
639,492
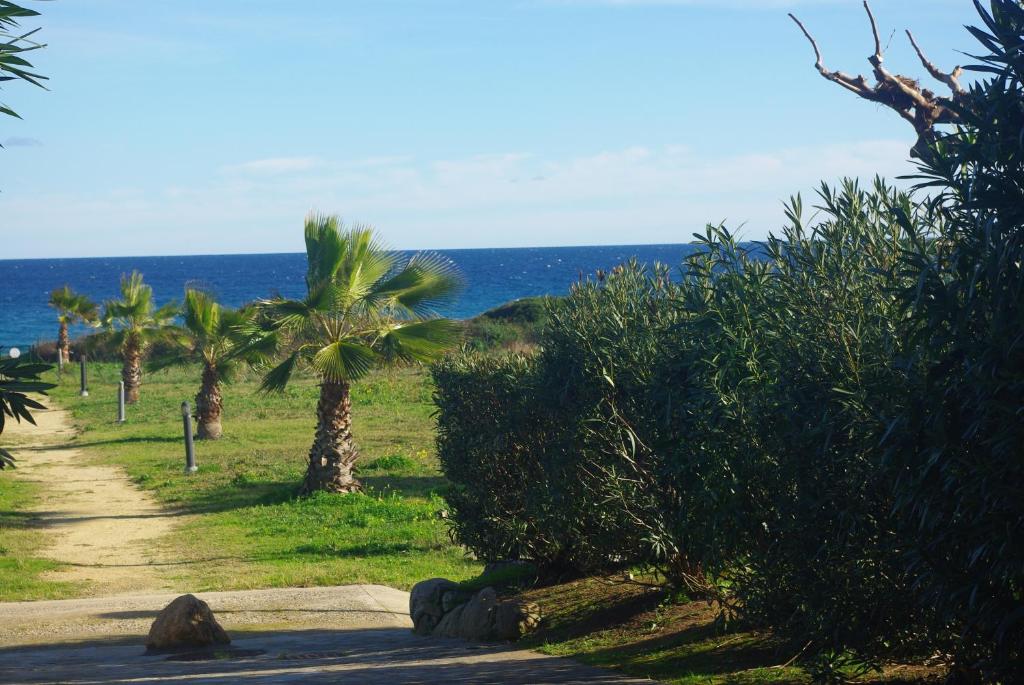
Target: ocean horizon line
302,252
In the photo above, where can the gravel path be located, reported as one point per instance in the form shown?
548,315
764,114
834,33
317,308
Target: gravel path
97,521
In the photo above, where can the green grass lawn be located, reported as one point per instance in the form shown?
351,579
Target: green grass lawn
20,570
246,528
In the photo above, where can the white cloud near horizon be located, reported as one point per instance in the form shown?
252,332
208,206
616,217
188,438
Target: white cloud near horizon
637,194
277,165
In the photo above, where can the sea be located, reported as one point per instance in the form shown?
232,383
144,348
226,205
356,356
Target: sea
493,276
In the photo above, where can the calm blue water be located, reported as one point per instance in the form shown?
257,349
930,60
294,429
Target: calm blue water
493,277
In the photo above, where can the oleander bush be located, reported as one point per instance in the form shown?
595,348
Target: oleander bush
824,432
794,365
957,455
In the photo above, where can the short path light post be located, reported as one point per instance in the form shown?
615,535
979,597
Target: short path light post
190,448
120,402
85,376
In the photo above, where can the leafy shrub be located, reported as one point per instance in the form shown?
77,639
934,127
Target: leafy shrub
792,364
512,325
491,433
597,368
827,434
957,451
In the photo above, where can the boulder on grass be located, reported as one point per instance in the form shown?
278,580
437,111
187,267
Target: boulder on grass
185,622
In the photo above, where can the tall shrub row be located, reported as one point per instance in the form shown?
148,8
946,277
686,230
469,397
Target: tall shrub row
723,428
824,434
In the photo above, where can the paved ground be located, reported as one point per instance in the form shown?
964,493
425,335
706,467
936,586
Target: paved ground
382,656
348,634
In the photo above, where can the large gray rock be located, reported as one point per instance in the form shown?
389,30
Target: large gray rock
514,618
185,622
473,620
426,603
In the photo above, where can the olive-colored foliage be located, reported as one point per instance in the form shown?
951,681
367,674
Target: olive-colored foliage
957,452
600,350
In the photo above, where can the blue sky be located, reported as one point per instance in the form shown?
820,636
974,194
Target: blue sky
198,127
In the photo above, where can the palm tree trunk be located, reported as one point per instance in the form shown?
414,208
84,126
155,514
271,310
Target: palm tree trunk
64,342
333,454
131,371
208,405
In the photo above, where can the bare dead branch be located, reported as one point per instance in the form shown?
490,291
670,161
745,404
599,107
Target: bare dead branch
874,32
858,84
921,107
952,79
819,64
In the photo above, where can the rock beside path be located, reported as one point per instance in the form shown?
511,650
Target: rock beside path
442,608
186,622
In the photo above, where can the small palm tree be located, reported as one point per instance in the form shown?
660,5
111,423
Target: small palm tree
211,335
71,308
133,324
365,306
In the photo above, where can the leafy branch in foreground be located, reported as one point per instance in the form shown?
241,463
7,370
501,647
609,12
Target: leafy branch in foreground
13,45
17,378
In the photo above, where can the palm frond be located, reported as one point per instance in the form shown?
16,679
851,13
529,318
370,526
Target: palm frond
201,313
325,247
343,361
73,306
428,281
367,261
423,341
276,380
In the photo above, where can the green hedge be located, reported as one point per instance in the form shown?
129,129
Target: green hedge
824,433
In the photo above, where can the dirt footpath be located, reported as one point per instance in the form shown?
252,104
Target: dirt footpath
97,522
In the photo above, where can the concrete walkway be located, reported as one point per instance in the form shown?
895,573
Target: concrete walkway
348,634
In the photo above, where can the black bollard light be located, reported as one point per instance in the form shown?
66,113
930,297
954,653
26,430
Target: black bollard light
85,377
120,402
190,448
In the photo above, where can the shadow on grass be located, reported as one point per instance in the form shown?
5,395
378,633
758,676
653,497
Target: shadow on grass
371,549
79,444
233,496
696,650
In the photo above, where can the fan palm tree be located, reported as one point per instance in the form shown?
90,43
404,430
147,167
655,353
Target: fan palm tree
211,335
71,308
133,324
365,306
